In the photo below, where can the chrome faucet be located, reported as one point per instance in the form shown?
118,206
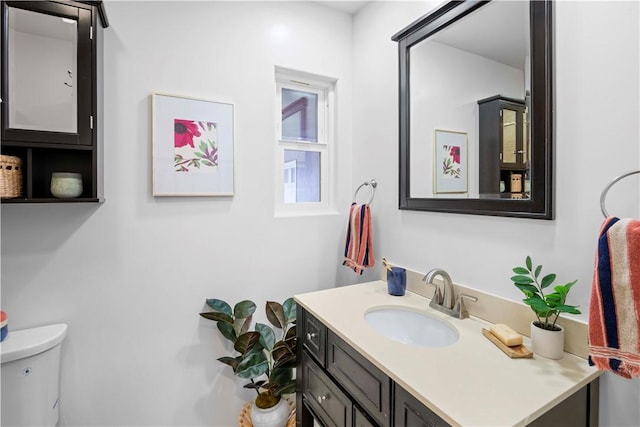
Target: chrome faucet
444,302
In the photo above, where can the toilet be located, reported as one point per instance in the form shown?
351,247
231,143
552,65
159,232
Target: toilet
31,376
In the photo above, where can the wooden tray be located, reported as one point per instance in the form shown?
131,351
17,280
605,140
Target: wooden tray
245,415
515,352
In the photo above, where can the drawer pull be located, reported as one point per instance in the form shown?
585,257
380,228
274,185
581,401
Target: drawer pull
311,335
322,398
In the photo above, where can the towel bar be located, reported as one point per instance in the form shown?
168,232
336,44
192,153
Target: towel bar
608,186
373,183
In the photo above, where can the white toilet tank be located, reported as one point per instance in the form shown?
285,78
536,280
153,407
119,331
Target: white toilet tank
31,376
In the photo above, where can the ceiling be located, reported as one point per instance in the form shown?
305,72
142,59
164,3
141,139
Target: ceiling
345,6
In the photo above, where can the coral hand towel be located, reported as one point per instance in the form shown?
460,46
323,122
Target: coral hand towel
358,250
614,313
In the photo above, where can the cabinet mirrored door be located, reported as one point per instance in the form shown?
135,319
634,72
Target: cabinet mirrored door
47,73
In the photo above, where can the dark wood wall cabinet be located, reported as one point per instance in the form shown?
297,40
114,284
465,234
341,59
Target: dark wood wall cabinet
503,145
51,84
339,387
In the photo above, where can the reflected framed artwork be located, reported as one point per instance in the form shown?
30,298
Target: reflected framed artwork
450,159
192,142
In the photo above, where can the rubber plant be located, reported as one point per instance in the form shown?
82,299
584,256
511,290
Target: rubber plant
267,355
549,306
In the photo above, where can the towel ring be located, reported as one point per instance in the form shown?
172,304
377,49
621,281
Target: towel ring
608,187
373,183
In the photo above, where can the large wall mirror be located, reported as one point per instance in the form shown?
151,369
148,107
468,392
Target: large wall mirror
476,110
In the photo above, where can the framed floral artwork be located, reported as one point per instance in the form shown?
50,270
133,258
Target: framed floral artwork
192,146
450,159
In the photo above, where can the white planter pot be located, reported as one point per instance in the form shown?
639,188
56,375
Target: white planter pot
275,416
545,343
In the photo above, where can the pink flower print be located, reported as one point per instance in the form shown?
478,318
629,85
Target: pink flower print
455,153
184,131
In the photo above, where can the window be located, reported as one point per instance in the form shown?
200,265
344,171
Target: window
304,139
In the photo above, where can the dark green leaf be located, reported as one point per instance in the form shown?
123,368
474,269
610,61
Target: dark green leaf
241,325
218,317
255,385
246,341
227,331
520,270
537,304
253,366
522,280
547,280
527,288
244,309
267,336
529,263
280,376
231,361
275,314
291,333
538,271
290,310
288,361
570,285
571,309
287,389
219,305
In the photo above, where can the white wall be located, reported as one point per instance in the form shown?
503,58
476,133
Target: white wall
131,275
130,285
596,136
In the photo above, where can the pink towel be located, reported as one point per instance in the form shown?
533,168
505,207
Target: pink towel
614,313
358,250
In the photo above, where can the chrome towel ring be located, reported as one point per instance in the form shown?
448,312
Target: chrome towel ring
373,183
608,186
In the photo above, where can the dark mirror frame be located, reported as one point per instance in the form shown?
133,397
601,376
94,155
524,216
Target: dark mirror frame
540,204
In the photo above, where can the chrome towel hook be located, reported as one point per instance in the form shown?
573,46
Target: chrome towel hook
373,183
608,187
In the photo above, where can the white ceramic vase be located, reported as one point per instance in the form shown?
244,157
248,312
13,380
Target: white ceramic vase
545,343
275,416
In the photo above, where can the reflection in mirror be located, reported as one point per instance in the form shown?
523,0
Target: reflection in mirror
43,69
482,70
484,54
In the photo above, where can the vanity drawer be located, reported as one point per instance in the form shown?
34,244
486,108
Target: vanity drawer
409,412
323,397
314,337
360,420
368,385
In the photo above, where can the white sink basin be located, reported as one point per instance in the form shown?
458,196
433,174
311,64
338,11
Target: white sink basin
412,327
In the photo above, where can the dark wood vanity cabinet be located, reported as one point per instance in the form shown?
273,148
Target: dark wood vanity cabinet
51,83
503,147
339,387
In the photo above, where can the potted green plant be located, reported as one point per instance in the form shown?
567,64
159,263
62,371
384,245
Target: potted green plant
547,337
265,356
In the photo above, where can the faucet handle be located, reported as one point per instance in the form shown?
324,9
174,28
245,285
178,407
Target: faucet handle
436,299
460,308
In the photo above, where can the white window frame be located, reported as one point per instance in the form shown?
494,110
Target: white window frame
325,89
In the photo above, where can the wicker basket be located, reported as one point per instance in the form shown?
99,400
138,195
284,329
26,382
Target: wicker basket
10,176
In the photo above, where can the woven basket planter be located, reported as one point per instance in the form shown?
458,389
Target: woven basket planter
10,177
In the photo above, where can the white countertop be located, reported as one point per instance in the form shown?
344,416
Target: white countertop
470,383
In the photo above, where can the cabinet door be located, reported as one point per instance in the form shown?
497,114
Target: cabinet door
323,397
409,412
510,149
368,385
47,78
314,337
